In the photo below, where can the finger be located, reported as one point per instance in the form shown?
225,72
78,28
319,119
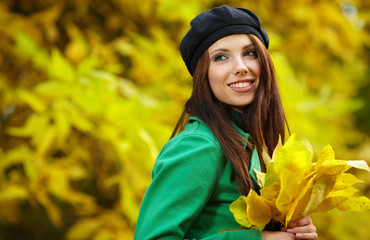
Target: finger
305,229
310,236
301,222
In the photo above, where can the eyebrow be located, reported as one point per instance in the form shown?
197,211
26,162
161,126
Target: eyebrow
226,50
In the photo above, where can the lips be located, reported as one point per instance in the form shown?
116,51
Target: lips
241,85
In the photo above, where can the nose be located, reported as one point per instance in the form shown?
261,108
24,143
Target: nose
240,67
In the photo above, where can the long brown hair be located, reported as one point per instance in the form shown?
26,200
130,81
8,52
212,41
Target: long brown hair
263,118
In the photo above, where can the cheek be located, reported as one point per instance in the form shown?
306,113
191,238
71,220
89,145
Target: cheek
212,83
216,75
257,69
213,78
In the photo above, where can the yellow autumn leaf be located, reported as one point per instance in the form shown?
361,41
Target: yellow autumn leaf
258,212
46,141
84,228
341,191
361,203
327,153
58,181
346,192
329,203
320,190
360,164
260,178
32,100
271,192
62,124
12,192
297,205
288,191
348,179
239,210
60,68
294,187
149,141
292,162
269,195
33,124
84,203
332,167
52,210
277,148
265,155
270,176
344,181
294,156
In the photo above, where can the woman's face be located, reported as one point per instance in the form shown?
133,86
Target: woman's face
234,71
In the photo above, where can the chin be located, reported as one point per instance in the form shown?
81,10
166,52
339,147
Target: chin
241,106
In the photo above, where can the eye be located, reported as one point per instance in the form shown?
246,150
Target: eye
220,58
251,53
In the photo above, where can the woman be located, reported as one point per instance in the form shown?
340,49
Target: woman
233,111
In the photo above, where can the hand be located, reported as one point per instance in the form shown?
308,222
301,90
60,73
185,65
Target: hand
303,229
267,235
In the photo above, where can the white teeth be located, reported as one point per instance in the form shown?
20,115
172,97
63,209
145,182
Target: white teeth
240,85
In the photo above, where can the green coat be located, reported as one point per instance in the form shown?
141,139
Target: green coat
191,191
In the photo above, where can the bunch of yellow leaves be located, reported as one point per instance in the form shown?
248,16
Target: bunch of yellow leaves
293,186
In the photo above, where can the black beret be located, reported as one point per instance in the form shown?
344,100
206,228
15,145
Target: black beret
210,26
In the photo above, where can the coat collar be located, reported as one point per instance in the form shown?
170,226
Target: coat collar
255,163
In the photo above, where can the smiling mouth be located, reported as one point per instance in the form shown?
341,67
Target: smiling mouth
240,84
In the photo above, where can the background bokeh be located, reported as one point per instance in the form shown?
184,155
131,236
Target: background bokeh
91,90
